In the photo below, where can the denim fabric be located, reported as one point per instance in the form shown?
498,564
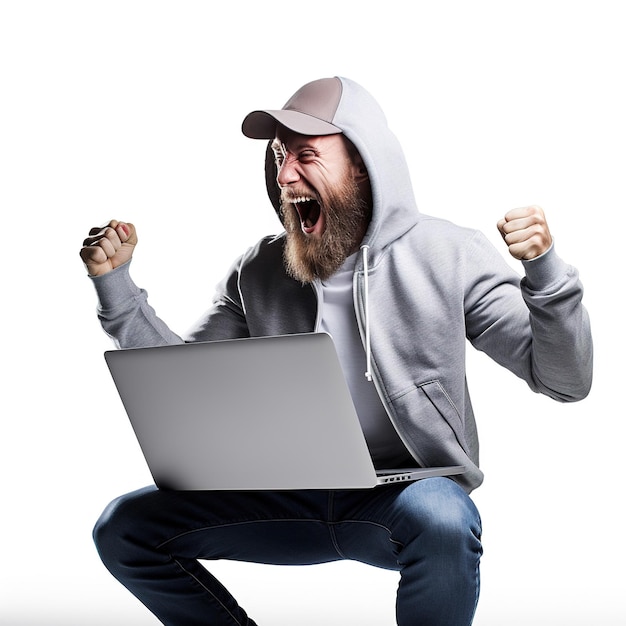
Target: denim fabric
429,531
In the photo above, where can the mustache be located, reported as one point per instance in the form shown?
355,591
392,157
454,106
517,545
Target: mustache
292,193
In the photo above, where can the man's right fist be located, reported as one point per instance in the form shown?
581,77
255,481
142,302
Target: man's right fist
108,247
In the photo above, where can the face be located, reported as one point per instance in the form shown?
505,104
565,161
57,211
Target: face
324,202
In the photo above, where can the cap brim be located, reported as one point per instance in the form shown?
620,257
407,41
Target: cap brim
262,124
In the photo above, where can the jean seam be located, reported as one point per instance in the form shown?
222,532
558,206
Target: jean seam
242,523
331,524
184,569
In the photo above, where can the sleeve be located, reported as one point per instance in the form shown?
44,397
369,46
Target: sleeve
226,317
562,351
125,314
536,326
130,321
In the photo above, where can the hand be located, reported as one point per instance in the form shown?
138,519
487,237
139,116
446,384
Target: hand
526,232
108,247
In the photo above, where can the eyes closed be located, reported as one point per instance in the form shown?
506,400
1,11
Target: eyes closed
305,155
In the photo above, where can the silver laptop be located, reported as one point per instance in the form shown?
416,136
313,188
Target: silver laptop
259,413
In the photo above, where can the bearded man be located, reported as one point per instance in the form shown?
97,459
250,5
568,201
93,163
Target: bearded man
325,209
401,293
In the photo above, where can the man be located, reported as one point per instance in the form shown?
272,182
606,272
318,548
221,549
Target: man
401,293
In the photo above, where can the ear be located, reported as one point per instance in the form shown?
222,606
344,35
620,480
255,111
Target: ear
359,170
273,191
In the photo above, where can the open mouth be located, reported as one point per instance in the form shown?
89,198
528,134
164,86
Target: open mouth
309,211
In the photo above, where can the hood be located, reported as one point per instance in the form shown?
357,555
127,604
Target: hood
362,121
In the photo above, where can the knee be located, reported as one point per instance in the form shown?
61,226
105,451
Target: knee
113,530
441,510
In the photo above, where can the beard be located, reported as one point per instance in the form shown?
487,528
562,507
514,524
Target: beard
346,215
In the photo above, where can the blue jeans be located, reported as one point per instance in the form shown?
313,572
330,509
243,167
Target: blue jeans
429,531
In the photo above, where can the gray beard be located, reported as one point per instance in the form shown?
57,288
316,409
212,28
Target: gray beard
307,258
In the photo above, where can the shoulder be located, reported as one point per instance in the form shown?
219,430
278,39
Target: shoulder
438,236
432,226
266,251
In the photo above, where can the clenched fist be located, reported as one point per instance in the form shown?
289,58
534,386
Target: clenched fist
108,247
526,232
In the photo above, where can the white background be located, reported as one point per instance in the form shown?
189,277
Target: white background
132,110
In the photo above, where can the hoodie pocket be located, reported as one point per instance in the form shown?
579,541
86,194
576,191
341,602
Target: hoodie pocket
429,418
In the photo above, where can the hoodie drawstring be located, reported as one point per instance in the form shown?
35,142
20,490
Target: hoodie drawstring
366,305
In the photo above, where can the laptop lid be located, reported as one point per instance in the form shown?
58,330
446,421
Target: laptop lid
257,413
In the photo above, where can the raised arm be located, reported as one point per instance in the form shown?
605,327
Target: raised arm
123,308
546,340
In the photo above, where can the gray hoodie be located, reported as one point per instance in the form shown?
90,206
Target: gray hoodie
423,287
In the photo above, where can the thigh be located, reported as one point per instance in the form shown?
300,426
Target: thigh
375,527
286,527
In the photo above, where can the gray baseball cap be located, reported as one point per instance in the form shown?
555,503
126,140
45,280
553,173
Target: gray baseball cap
310,111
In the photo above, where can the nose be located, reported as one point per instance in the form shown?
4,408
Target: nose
287,171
